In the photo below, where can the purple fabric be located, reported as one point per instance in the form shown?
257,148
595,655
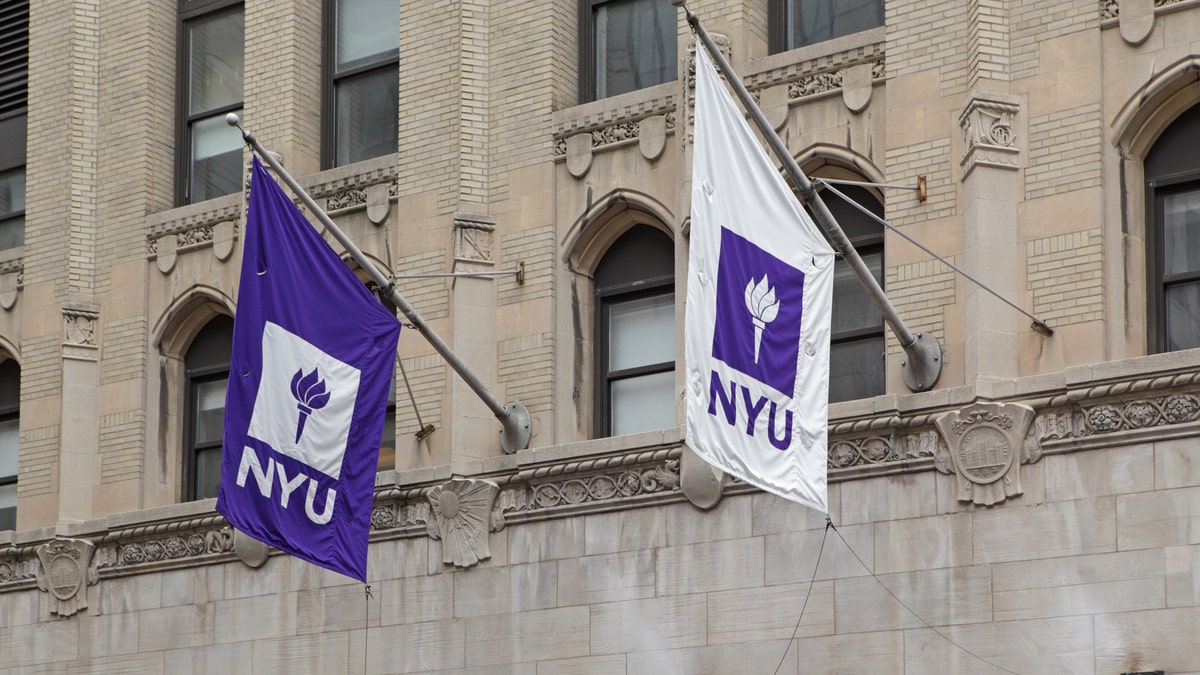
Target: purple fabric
312,364
742,263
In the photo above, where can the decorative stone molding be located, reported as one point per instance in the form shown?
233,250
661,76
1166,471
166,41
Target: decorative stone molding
985,446
65,573
193,228
79,332
1136,20
1112,9
164,545
12,280
1142,408
650,132
988,122
19,568
1140,413
473,238
462,519
845,453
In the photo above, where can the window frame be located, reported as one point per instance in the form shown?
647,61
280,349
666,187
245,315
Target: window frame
617,277
212,367
189,11
330,79
587,52
1157,282
14,101
777,27
606,298
192,448
865,244
10,410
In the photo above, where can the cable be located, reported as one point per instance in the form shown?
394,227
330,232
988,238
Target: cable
910,610
807,594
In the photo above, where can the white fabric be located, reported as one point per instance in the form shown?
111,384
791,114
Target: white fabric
735,186
277,412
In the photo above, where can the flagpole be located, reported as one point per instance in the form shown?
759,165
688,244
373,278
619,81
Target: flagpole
514,418
923,363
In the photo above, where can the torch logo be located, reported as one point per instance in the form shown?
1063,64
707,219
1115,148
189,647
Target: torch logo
309,392
760,300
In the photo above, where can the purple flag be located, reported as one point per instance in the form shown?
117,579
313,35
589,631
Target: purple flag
313,356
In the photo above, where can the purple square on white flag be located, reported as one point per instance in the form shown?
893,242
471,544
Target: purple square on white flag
760,300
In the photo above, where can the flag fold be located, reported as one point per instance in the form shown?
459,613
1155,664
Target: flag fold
759,296
312,364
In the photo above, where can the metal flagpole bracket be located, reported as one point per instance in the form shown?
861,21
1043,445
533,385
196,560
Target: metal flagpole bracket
515,429
921,351
922,364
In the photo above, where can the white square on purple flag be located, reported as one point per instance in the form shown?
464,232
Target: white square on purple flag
305,403
760,301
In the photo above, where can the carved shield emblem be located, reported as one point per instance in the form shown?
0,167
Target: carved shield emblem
984,447
64,573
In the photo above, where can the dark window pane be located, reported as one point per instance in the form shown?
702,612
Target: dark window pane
643,403
216,158
8,507
368,31
367,114
1181,232
215,62
856,369
852,307
1183,316
641,332
813,21
12,232
635,45
12,192
208,472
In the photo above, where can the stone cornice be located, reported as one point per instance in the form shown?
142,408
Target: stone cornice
1134,401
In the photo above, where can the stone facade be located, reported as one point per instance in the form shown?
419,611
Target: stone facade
1036,511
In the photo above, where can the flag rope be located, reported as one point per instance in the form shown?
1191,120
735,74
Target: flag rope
829,524
807,594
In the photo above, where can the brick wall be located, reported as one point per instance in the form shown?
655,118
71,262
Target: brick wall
1066,277
921,292
1065,151
920,35
932,160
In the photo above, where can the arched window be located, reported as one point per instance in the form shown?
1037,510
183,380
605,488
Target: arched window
635,333
856,343
10,399
207,375
1172,169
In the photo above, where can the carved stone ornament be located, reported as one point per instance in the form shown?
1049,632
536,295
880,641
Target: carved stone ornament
64,574
856,86
473,237
702,484
378,202
988,122
462,518
579,153
79,332
652,136
985,446
10,287
1136,20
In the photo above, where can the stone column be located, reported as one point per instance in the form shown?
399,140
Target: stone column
992,189
474,428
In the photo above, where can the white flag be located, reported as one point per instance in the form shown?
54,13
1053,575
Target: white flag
759,295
